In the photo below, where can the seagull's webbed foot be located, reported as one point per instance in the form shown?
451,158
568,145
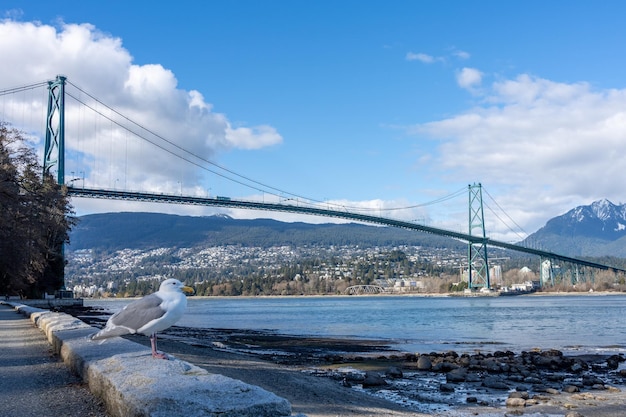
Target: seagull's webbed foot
158,355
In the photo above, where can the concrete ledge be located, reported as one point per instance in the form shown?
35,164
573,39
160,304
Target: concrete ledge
133,384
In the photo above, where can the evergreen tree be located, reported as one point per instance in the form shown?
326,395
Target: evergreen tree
35,219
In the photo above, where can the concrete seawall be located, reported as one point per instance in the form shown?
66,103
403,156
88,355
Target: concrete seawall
133,384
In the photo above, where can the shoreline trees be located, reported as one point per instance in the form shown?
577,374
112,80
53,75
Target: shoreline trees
35,220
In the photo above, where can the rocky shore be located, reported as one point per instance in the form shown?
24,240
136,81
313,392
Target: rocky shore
489,379
341,377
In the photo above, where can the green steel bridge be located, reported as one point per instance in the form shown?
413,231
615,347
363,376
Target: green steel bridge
478,266
316,211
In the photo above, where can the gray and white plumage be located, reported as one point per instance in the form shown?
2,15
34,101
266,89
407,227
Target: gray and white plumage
150,314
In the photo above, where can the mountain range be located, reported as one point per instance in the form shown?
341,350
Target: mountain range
115,231
596,230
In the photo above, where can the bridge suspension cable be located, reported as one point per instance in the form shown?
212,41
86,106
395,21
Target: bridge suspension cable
196,160
199,161
455,194
276,191
14,90
507,215
192,158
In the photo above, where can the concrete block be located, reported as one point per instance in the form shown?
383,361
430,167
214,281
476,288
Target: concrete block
138,385
133,384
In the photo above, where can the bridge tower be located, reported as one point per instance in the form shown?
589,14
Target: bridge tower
54,150
478,266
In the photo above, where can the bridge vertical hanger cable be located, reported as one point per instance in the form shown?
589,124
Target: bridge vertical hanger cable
111,155
26,117
125,159
80,137
23,107
95,141
42,119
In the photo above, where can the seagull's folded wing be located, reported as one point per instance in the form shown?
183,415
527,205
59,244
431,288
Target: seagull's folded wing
132,317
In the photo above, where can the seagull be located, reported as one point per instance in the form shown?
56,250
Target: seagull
149,315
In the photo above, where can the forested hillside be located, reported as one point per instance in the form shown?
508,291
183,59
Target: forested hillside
116,231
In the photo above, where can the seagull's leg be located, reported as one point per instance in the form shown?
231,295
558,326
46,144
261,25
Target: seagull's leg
155,354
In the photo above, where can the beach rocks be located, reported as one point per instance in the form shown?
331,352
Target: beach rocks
542,373
424,363
515,402
514,381
457,375
495,383
520,394
394,372
373,379
447,387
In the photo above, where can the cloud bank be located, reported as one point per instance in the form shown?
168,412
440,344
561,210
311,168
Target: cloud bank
100,150
539,144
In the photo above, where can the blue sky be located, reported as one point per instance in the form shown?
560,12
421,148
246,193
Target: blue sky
365,104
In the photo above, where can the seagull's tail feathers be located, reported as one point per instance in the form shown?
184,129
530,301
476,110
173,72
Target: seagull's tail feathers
111,331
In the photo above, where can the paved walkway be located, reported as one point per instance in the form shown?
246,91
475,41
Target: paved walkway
34,382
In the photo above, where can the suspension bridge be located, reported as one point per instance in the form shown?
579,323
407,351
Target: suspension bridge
54,160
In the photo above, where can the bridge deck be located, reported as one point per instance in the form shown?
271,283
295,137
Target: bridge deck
316,211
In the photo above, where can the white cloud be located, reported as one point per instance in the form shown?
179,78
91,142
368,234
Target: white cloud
543,146
469,78
426,59
148,94
253,138
461,54
430,59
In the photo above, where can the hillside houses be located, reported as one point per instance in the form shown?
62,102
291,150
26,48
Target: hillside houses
92,273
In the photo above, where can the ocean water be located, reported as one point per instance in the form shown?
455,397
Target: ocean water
573,324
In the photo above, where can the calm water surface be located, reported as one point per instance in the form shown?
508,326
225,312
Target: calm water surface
423,324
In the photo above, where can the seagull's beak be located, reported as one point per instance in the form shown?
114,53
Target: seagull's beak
188,290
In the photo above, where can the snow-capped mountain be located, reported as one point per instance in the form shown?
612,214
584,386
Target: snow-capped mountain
598,229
